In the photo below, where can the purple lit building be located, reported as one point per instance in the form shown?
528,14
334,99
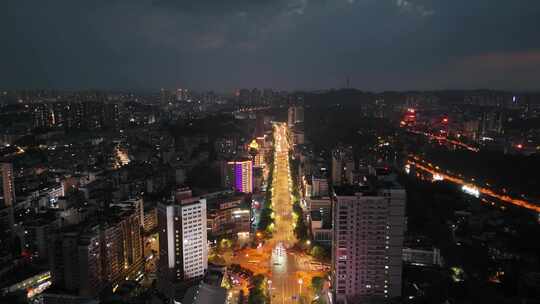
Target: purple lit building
239,175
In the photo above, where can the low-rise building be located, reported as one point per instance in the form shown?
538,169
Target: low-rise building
229,216
422,257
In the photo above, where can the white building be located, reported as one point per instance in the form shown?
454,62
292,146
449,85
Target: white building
183,241
368,241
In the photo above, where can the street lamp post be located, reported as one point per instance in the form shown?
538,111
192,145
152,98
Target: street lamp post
300,282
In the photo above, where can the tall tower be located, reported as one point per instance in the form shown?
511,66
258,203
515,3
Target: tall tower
7,216
368,242
337,170
183,253
8,185
291,117
163,96
295,115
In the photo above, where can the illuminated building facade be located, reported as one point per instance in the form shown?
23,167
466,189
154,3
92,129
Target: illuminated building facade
229,217
254,151
150,220
238,175
7,218
122,247
8,186
183,253
243,176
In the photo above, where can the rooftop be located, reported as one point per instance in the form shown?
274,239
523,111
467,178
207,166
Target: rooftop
389,185
371,188
204,293
351,190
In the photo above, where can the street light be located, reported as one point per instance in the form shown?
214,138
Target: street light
300,282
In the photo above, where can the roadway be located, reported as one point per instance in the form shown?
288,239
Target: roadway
425,166
289,273
284,286
446,139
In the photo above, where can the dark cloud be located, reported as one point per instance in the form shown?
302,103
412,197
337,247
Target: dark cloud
380,44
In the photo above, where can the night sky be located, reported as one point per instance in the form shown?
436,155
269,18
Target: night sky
282,44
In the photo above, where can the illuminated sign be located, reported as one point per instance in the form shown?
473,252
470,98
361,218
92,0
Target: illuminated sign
254,145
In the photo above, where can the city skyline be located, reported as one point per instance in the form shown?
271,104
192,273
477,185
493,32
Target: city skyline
286,44
268,197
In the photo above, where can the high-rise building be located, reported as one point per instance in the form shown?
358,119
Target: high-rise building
256,154
298,136
76,260
33,234
295,115
137,204
299,115
259,124
8,186
122,245
290,117
89,257
238,174
319,185
7,214
182,95
342,166
165,96
368,240
183,253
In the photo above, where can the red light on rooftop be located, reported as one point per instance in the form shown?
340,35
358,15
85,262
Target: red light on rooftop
445,120
519,146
